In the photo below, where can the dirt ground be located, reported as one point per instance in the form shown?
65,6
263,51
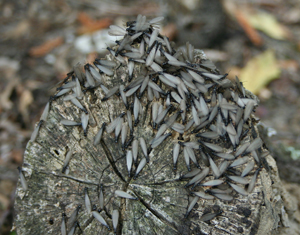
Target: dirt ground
42,40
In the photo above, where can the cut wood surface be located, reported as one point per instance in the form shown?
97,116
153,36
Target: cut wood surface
156,200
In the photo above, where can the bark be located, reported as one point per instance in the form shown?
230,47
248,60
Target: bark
162,198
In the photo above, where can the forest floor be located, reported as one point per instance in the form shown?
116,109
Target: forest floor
41,40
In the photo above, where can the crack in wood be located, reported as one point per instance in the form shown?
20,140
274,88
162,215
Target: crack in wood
163,182
156,213
111,160
101,175
69,177
86,224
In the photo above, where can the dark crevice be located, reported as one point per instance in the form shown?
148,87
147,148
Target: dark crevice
101,175
151,172
111,160
163,182
155,213
121,219
86,224
70,178
159,172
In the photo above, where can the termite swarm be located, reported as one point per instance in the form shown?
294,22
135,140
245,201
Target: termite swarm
189,101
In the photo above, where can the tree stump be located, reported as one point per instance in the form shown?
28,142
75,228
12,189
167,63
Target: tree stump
159,199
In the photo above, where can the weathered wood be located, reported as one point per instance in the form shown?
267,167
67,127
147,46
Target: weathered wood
162,199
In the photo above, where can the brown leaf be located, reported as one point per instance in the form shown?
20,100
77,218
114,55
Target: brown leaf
170,30
91,57
46,47
249,30
90,25
17,156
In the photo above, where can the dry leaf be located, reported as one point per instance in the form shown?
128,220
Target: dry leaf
248,27
250,19
46,47
240,13
269,25
259,71
26,99
233,71
90,25
170,30
91,57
